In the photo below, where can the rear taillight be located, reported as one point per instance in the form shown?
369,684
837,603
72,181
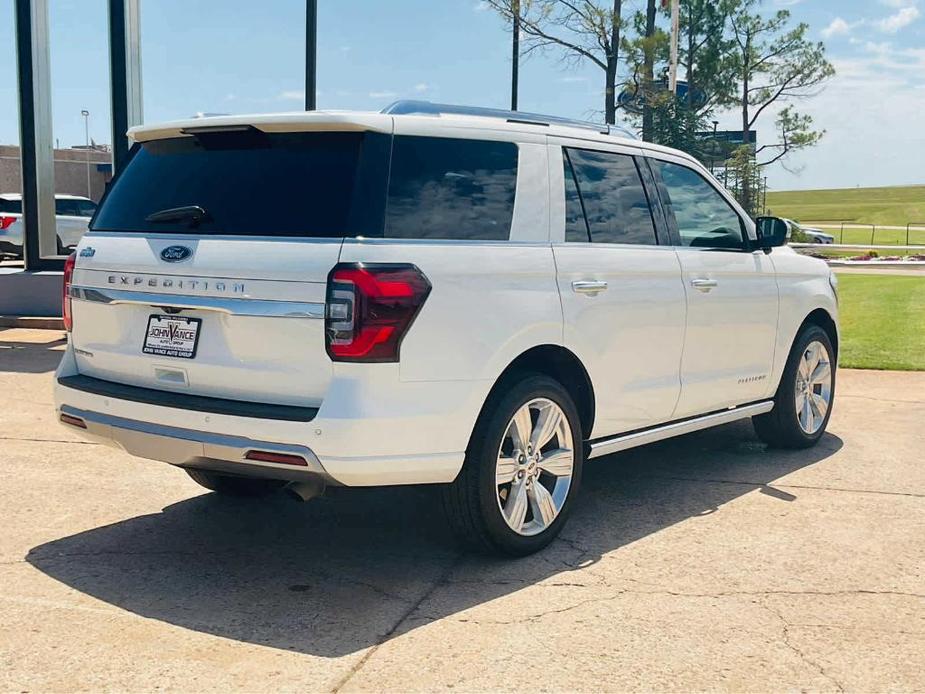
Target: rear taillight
6,221
370,308
66,292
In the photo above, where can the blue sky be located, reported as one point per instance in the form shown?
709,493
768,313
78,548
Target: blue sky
242,56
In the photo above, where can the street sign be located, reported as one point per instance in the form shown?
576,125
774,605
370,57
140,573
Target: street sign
633,100
732,137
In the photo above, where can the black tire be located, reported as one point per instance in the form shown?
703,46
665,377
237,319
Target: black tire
231,485
780,427
471,501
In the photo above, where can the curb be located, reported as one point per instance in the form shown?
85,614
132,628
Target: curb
31,323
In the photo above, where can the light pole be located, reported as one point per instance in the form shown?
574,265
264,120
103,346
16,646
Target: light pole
515,49
311,54
673,48
713,146
86,114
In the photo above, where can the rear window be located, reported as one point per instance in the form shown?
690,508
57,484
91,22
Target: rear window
11,206
251,183
445,188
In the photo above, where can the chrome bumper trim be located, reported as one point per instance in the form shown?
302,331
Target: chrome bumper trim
260,308
193,448
666,431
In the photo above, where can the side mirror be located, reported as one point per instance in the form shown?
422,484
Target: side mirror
772,232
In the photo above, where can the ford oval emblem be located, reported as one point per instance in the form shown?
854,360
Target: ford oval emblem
174,254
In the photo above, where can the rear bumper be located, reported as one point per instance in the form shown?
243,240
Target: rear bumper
191,448
7,247
369,431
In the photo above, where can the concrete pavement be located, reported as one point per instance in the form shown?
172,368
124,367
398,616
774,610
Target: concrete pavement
708,562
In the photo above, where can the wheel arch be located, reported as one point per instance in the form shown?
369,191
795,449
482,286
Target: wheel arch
561,364
824,320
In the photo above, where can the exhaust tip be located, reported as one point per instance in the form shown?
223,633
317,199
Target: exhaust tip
306,490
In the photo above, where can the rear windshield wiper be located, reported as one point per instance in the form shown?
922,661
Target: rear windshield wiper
194,214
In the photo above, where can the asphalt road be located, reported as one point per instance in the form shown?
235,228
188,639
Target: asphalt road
708,562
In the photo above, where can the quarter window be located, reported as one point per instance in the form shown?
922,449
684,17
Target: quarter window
576,226
702,216
612,196
444,188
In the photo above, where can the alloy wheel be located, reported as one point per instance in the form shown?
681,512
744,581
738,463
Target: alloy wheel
813,391
534,468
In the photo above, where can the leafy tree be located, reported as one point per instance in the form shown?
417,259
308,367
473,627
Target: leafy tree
705,53
583,30
775,64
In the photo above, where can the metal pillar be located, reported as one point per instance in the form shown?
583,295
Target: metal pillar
124,74
515,51
35,135
311,54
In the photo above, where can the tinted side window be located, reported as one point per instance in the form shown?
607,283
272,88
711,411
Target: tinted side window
445,188
66,207
702,215
576,226
614,200
14,206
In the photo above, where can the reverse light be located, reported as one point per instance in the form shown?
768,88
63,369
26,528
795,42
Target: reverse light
370,307
66,292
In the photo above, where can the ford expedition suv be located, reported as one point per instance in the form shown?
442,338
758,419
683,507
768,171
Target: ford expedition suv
468,298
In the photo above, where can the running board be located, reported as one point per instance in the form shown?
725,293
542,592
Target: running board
666,431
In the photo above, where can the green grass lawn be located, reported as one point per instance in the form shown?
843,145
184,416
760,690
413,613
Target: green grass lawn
882,322
897,205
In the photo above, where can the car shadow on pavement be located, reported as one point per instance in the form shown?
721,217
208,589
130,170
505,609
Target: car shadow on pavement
359,566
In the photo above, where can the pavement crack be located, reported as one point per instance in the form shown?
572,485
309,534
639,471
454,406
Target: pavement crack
786,640
30,440
748,483
442,580
870,397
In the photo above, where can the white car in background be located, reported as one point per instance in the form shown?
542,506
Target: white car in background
72,215
474,299
813,234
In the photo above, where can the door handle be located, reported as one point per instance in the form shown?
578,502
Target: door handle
591,287
703,285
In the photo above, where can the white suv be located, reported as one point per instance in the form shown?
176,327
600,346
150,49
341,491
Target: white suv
469,298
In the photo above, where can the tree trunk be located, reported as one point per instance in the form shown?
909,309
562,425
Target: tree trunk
610,86
648,73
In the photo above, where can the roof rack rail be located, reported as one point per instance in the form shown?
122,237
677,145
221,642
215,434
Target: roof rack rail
406,107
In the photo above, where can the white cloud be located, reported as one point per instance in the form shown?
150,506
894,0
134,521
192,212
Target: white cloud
837,27
383,95
292,95
903,18
480,6
898,3
421,87
787,3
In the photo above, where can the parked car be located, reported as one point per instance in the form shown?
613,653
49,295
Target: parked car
72,213
809,234
478,300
